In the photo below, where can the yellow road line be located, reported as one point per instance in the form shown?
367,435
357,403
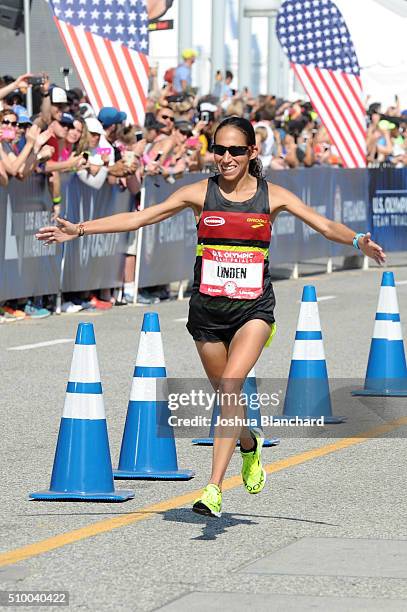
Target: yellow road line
32,550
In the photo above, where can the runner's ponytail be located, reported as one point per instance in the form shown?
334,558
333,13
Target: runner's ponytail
256,167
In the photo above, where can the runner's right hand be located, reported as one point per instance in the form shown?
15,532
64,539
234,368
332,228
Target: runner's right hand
62,232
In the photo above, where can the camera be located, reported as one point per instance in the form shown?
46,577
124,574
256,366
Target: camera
35,80
139,136
65,71
205,116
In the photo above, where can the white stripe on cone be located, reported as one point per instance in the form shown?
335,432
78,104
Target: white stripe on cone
308,350
84,406
150,350
389,330
388,302
252,373
149,390
84,366
308,319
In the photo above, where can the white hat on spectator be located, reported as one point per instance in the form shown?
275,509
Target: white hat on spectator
94,126
208,107
58,96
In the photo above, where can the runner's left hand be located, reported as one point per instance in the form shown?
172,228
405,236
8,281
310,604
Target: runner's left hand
371,249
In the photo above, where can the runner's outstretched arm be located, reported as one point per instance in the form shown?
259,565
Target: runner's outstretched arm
188,196
284,200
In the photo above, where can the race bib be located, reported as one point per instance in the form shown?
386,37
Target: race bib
234,274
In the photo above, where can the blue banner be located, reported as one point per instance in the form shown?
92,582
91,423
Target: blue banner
96,261
388,206
27,267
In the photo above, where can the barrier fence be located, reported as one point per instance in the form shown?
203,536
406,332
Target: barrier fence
29,268
374,199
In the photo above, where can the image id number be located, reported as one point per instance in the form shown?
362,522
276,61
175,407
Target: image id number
34,598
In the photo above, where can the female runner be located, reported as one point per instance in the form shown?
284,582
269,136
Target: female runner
231,308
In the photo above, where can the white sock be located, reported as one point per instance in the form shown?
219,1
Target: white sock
129,289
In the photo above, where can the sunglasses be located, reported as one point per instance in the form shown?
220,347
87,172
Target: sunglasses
8,122
168,117
235,151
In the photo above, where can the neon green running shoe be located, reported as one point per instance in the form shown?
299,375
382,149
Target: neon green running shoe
210,502
253,473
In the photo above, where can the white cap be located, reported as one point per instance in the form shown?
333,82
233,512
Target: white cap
208,107
94,126
58,96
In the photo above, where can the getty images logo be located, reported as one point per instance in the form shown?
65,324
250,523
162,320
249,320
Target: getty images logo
214,221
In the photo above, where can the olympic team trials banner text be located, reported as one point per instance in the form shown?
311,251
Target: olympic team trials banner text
388,198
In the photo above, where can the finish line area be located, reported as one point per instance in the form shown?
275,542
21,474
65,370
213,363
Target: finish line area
327,531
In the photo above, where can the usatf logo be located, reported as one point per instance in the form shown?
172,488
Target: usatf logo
257,222
214,221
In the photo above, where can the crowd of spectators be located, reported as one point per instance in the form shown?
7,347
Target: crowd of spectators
66,135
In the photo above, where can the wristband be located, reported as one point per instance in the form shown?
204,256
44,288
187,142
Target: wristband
57,200
356,240
81,230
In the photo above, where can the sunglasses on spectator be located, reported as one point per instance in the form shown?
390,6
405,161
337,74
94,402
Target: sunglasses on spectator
235,151
8,122
168,117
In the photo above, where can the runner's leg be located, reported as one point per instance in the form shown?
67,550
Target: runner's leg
214,357
244,351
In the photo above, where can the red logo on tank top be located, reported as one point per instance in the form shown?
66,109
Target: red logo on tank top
214,221
239,225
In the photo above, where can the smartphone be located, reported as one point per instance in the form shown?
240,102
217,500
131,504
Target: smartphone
35,80
160,153
85,155
205,116
139,136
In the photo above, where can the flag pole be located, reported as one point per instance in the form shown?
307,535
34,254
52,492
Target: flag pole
27,33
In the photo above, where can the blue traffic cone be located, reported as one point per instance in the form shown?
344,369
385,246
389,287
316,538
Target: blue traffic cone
253,413
82,466
307,394
386,373
145,454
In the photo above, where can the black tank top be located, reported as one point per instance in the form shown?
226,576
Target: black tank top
225,222
234,225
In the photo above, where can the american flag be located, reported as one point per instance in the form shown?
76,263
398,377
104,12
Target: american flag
108,44
316,39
